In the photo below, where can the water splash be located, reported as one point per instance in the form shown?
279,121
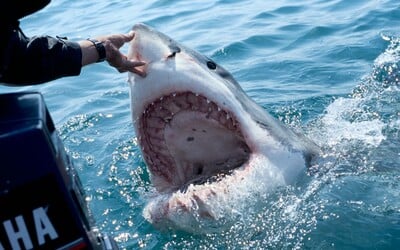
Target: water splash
359,134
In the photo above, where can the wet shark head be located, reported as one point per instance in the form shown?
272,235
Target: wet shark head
194,123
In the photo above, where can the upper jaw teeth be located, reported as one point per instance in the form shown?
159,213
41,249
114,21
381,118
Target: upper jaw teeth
165,107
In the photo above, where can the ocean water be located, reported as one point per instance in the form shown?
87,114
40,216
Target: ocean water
328,69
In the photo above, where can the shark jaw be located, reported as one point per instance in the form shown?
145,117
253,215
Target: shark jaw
208,147
188,139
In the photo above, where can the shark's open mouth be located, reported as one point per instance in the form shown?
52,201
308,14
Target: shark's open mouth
186,138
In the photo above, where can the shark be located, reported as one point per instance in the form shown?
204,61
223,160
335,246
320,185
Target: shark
208,147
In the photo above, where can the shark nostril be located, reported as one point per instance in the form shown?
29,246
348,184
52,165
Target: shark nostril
172,55
174,49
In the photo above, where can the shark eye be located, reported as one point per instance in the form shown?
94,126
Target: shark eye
211,65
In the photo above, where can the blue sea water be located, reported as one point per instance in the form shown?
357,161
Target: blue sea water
328,69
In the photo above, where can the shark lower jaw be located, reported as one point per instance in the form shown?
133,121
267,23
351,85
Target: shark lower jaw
188,139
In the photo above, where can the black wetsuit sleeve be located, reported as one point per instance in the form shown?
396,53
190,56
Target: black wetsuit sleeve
27,61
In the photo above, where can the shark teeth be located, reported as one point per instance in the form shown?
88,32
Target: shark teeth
165,107
160,112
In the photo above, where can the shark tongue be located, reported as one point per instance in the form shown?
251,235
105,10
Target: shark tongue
201,146
186,137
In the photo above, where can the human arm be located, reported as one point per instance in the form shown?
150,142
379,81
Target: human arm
112,44
28,61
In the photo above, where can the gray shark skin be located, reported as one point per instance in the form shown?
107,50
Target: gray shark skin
209,148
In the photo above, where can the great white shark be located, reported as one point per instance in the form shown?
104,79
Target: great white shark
209,148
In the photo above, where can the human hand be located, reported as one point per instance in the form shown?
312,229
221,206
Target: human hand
115,58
